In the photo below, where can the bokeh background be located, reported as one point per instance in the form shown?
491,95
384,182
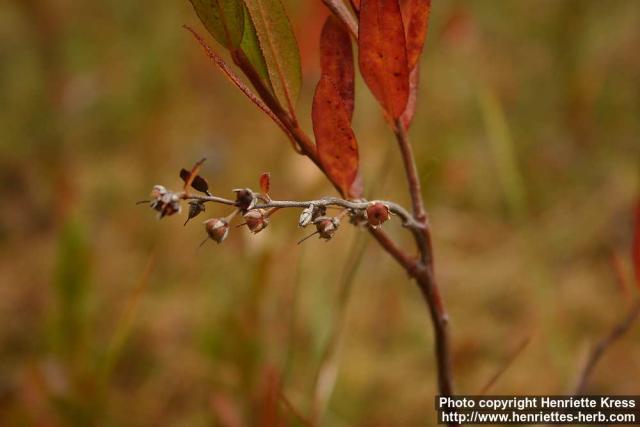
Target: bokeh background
527,136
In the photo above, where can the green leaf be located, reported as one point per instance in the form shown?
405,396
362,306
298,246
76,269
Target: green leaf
251,48
280,49
224,19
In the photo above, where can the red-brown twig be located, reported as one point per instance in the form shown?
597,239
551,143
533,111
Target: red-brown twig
425,277
618,330
512,357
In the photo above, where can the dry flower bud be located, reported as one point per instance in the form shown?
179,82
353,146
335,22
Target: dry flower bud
165,202
196,207
377,214
256,220
306,216
217,229
245,198
158,191
326,226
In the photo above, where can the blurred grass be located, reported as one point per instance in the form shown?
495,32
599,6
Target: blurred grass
104,100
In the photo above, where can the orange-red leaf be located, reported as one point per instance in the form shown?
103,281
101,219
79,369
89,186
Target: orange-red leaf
635,251
265,182
335,141
382,54
415,14
336,59
410,109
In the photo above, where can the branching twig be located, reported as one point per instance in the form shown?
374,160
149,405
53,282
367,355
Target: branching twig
605,343
425,276
421,267
407,219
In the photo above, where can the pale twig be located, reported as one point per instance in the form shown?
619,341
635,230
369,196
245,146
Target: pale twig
356,205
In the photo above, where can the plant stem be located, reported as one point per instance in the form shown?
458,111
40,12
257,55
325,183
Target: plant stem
422,268
411,171
425,277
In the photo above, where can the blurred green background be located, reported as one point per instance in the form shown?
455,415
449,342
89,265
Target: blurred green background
527,136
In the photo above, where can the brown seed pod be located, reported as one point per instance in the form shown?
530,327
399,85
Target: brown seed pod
196,207
256,220
327,226
377,214
245,198
165,202
217,229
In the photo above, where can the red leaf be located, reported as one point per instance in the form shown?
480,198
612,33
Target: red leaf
336,59
635,251
382,54
415,14
410,110
336,143
265,182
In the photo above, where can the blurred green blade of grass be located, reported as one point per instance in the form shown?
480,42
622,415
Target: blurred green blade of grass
503,151
327,373
125,322
72,287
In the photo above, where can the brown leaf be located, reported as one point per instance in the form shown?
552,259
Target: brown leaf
336,60
336,143
415,14
382,54
635,251
198,182
265,182
192,179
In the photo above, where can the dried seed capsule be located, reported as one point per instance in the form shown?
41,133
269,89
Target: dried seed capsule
196,207
256,220
327,226
158,191
306,216
377,214
165,202
245,198
217,229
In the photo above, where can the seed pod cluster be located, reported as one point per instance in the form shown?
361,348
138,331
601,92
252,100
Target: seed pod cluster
165,202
